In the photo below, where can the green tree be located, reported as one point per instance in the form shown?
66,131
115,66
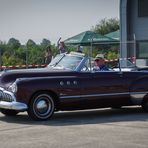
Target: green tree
13,44
45,43
21,54
35,55
106,26
3,47
103,27
30,43
30,56
10,59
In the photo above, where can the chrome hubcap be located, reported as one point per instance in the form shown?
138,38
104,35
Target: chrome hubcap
42,105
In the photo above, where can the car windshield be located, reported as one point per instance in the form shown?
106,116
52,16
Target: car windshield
126,63
56,60
70,62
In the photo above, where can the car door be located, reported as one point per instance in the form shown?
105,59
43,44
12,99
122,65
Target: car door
105,88
69,90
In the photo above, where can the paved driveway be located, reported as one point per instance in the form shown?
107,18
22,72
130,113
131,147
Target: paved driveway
125,128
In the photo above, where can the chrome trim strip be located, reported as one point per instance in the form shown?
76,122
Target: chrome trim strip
13,106
93,95
103,95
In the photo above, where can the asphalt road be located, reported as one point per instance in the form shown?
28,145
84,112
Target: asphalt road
125,128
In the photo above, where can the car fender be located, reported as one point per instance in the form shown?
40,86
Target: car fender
139,90
30,86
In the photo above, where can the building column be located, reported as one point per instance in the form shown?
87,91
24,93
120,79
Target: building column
123,28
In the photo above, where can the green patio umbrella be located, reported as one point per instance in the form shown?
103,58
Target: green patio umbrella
87,38
114,35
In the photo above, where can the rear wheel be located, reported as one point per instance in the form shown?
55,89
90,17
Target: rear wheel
7,112
145,105
41,107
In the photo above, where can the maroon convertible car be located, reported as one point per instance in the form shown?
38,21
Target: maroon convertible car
69,83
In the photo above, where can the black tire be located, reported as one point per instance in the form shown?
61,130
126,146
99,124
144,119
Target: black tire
145,105
41,107
7,112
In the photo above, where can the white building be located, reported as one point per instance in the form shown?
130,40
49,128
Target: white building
134,30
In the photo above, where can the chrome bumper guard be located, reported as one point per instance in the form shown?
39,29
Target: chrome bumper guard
8,101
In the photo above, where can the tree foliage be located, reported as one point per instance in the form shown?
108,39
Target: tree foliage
45,43
106,26
30,43
13,53
13,44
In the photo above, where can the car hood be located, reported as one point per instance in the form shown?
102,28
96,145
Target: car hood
8,77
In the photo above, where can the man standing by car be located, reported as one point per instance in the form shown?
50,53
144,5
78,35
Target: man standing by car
100,63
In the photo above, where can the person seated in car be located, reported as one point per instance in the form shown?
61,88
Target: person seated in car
99,63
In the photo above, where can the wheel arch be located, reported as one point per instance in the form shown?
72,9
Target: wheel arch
139,90
145,98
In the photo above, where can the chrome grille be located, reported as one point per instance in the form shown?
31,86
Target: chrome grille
5,96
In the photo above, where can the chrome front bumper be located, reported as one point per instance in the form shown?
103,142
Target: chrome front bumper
13,106
8,101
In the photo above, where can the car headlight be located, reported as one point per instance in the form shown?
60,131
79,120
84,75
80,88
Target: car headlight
13,87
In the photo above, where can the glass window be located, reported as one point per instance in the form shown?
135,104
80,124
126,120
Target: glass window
143,8
142,50
69,62
86,66
56,60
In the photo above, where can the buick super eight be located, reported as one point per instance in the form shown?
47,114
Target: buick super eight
69,83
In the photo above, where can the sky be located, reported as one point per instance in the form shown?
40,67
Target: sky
52,19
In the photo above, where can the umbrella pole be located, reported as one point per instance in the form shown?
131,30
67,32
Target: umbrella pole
90,54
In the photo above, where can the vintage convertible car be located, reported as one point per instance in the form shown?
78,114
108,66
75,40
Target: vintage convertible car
69,83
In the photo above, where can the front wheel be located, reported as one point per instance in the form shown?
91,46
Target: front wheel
41,107
7,112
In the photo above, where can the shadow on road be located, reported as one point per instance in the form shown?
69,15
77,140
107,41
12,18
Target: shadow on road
83,117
